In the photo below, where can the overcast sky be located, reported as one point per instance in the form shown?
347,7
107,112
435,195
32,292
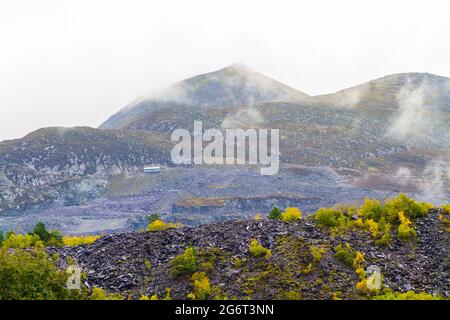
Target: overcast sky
75,62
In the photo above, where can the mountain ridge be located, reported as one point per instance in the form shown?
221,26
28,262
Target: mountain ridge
231,86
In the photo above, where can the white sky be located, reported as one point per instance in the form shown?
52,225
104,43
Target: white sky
67,63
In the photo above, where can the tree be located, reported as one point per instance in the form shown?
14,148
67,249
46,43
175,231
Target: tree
275,214
30,274
50,238
2,237
41,231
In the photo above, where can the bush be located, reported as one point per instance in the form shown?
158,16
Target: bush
291,214
409,295
100,294
155,296
345,254
358,261
371,209
185,263
257,217
293,295
258,250
201,285
409,207
30,274
444,219
2,237
446,208
373,227
316,253
386,238
49,238
405,231
72,241
159,225
328,217
22,241
275,214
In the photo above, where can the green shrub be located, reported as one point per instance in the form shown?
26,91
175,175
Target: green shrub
316,253
275,214
100,294
405,231
22,241
30,274
159,225
185,263
201,285
72,241
328,217
293,295
386,236
409,295
258,250
291,214
409,207
345,254
446,208
371,209
49,238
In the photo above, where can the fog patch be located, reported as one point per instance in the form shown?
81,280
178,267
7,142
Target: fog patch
417,113
351,98
433,186
249,117
430,184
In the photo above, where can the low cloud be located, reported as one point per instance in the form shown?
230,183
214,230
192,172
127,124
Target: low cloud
430,185
417,113
249,117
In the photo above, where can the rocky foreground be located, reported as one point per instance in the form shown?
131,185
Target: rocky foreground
136,264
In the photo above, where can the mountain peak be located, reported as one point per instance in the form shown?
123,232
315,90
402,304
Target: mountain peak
232,86
239,66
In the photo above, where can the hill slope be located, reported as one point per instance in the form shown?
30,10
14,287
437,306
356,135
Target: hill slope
69,165
385,92
140,263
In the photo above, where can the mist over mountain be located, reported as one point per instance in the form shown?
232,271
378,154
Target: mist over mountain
382,137
233,86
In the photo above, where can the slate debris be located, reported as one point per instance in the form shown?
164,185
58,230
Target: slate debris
116,262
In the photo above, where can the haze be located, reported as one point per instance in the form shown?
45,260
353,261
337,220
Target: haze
68,63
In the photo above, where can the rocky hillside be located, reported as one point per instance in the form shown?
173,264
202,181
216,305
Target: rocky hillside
384,92
398,119
390,135
69,165
302,263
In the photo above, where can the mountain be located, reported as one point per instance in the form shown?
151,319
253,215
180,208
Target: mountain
386,92
69,165
380,124
386,136
233,86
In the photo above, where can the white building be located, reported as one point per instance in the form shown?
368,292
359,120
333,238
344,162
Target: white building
152,169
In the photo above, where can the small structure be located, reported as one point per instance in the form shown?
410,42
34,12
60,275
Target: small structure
152,169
